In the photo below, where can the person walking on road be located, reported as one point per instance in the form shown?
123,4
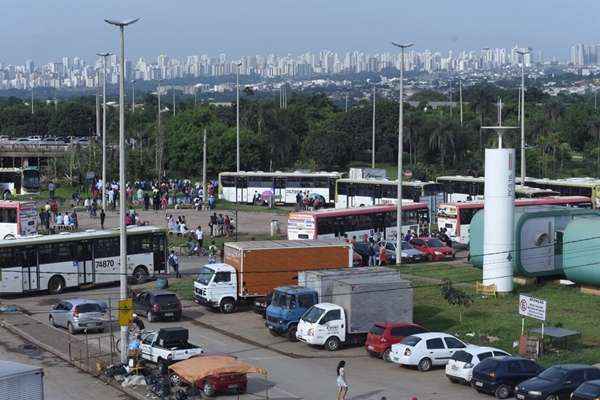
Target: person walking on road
174,263
102,218
342,384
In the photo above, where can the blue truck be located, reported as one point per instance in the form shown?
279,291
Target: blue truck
288,304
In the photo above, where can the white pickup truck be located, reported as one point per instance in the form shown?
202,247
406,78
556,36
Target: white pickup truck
167,345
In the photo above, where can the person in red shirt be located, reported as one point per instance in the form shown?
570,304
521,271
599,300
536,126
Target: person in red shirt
382,256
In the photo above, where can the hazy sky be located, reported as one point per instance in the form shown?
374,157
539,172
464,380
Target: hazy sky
45,30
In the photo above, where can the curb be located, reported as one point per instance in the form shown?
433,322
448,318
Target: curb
65,358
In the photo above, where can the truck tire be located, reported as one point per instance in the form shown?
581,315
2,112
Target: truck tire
333,344
386,355
291,334
424,365
208,389
227,306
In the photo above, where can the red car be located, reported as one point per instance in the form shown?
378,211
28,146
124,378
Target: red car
222,383
434,249
382,336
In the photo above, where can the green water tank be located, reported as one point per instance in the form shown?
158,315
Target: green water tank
581,251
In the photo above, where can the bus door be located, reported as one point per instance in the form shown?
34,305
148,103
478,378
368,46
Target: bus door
242,190
27,257
82,259
379,224
159,247
279,195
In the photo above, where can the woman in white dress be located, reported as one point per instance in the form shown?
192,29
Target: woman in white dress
342,384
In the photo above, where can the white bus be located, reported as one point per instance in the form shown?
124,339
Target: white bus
17,181
56,262
360,221
17,219
284,186
372,192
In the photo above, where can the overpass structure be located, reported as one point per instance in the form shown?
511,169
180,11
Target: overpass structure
27,154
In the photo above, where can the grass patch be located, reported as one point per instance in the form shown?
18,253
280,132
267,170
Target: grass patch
456,273
184,288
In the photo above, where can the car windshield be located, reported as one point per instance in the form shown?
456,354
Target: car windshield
377,330
589,389
280,299
406,246
89,307
554,374
313,314
462,356
411,340
205,275
434,243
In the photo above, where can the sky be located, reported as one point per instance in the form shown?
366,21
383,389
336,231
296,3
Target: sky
46,30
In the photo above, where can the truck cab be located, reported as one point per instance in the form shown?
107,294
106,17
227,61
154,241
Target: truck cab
288,304
216,286
324,324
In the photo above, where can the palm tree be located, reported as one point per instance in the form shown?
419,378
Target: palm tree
441,138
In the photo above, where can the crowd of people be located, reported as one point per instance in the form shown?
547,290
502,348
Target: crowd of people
307,201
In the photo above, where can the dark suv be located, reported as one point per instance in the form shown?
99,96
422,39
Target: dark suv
587,391
557,382
157,305
500,375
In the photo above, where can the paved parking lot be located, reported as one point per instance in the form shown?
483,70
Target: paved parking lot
296,371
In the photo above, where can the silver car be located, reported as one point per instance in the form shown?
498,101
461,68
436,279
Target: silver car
78,315
409,254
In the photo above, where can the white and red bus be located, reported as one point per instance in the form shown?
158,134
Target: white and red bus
17,219
337,222
456,217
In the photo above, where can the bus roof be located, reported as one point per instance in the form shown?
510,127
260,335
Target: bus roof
280,174
11,169
15,204
388,182
68,236
586,182
553,200
284,244
340,212
520,189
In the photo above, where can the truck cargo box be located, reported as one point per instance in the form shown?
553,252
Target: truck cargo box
264,265
21,381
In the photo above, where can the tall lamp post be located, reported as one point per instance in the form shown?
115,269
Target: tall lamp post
123,233
133,95
523,53
402,47
237,117
373,138
104,57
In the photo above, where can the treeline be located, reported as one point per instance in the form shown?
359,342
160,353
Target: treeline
563,133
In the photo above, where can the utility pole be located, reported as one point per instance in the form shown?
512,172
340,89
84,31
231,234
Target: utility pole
237,118
523,53
98,103
32,97
173,87
122,193
402,47
373,138
159,139
133,95
346,101
204,193
104,57
461,101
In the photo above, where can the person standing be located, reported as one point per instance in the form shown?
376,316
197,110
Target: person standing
51,189
174,263
342,384
102,218
199,237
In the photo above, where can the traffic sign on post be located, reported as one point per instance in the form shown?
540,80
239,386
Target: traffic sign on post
532,307
125,312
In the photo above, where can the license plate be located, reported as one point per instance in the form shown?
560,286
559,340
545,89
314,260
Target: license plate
169,314
479,384
521,396
370,348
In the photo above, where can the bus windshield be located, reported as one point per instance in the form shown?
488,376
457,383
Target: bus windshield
31,179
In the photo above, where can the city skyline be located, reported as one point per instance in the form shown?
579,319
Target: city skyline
39,31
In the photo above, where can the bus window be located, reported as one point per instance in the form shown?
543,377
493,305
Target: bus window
139,244
227,181
62,252
466,215
82,251
7,259
389,191
8,215
108,247
325,226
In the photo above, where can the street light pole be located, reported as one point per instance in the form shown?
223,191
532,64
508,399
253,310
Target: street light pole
461,102
32,97
173,88
104,57
523,53
122,193
133,95
402,47
373,138
237,118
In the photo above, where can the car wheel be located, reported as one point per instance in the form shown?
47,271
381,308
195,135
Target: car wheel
552,397
150,317
386,355
227,306
502,392
424,365
332,344
292,333
208,390
71,328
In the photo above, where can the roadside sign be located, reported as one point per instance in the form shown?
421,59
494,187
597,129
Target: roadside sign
125,312
532,307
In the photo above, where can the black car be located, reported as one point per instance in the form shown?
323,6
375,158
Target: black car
587,391
500,375
157,304
557,382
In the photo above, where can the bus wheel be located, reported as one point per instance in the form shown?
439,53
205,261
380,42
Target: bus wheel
140,274
56,285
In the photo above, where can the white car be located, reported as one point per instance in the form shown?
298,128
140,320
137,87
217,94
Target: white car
460,366
426,350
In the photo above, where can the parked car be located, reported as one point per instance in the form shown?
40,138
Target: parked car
409,254
500,375
425,350
168,345
587,391
460,366
556,382
157,304
383,335
78,315
434,249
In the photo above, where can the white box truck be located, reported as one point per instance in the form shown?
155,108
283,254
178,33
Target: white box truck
358,299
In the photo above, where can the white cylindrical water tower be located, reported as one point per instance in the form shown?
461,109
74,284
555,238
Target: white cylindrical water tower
499,212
